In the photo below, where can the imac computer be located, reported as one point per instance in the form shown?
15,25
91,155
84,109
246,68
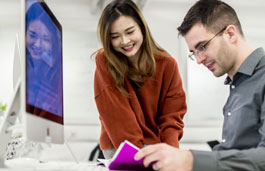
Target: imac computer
38,90
43,74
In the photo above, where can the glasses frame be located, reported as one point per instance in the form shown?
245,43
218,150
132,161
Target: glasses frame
203,47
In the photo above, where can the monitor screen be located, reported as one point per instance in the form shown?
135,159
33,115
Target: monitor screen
44,75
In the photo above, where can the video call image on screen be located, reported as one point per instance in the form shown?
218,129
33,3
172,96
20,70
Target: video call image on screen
44,85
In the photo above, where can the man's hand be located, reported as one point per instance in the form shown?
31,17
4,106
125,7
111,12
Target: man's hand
166,158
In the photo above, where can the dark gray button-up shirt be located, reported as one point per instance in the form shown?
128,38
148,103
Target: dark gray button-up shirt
243,138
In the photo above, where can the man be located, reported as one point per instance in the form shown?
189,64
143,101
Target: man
215,38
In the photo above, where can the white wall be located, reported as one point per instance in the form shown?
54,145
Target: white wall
9,24
7,47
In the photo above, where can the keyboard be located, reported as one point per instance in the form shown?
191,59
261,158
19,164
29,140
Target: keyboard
69,166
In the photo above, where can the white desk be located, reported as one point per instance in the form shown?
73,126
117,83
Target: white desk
33,165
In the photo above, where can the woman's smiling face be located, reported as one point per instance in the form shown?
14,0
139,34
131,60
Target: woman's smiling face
126,37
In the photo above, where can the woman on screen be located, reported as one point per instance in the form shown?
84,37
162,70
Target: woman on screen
138,89
43,62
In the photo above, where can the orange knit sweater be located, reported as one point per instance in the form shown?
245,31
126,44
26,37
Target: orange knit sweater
152,114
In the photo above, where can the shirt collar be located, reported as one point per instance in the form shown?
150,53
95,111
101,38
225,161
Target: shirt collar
249,64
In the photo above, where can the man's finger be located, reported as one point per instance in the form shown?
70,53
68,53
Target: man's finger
145,151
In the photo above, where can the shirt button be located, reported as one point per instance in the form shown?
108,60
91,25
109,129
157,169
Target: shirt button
223,140
233,86
229,114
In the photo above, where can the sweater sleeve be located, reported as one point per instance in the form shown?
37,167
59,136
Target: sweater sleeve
116,114
173,106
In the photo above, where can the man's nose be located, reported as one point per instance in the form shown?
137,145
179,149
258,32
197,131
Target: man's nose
200,59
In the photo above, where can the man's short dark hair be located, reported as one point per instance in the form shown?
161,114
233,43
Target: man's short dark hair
212,14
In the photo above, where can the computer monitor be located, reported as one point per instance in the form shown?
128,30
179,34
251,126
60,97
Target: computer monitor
43,73
38,90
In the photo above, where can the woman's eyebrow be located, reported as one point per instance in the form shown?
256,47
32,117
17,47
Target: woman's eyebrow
125,30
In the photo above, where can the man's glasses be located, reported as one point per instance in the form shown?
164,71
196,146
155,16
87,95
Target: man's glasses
202,48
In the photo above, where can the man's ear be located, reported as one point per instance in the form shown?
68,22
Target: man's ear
232,33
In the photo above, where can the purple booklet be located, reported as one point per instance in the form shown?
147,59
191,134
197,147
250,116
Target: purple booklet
123,158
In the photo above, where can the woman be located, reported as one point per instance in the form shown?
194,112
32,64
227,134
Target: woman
138,89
